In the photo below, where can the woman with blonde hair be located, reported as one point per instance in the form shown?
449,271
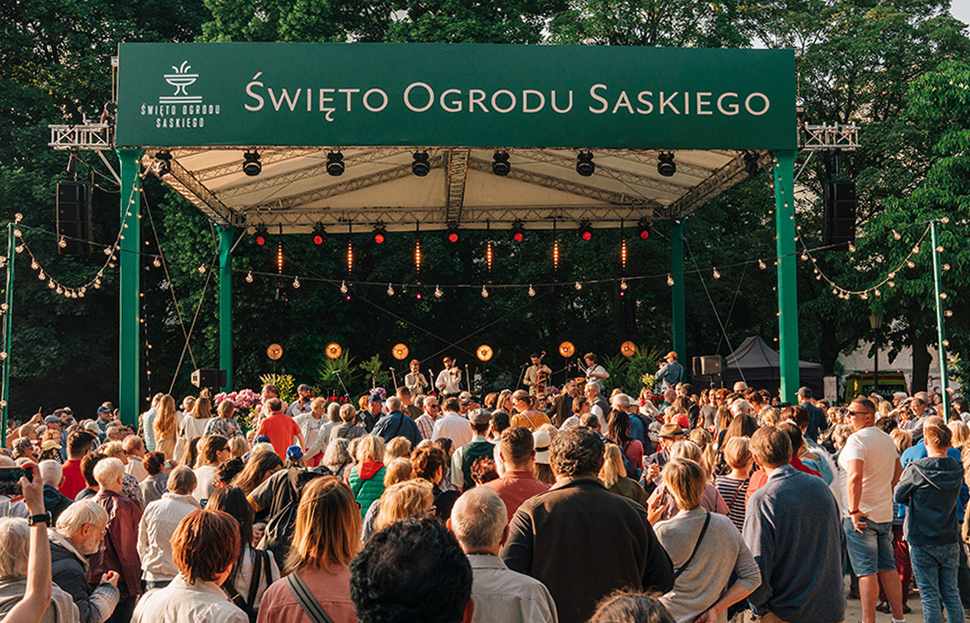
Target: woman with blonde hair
662,505
398,470
194,425
705,549
213,452
165,426
412,498
705,441
613,476
366,478
225,424
326,539
734,485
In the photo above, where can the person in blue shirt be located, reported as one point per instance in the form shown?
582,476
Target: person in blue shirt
671,372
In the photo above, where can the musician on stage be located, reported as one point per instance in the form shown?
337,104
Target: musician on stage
594,371
449,379
532,373
415,381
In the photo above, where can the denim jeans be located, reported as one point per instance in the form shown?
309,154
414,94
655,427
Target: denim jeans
935,570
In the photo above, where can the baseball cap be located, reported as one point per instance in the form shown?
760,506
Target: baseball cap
103,409
294,453
804,392
261,439
479,416
669,431
466,397
50,443
52,419
377,395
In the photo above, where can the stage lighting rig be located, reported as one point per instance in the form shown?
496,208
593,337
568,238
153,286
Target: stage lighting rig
500,163
420,167
335,163
251,164
666,165
518,230
585,230
262,235
584,164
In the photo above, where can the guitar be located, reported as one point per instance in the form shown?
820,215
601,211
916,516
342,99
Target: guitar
541,378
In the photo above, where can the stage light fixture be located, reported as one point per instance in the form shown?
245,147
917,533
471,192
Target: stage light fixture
643,229
584,164
500,163
380,233
518,231
585,230
319,234
666,165
251,164
262,235
163,163
451,234
420,166
335,163
751,165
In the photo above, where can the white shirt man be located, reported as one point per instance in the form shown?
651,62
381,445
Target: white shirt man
449,379
453,426
302,404
158,524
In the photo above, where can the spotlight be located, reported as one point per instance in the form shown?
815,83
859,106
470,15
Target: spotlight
380,233
163,163
420,166
319,234
751,166
251,165
666,166
451,234
500,163
262,235
584,164
518,230
585,230
335,163
643,229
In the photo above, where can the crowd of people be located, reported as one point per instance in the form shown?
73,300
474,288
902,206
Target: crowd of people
709,506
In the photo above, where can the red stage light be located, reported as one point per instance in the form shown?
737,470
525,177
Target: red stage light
453,236
518,236
644,234
262,236
587,235
317,239
379,238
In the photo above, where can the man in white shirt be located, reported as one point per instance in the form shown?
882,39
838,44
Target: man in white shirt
449,379
479,521
452,425
158,524
872,469
315,426
302,404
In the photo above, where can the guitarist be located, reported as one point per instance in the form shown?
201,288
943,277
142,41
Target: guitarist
536,373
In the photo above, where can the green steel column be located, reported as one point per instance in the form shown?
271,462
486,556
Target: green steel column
129,330
787,273
8,330
226,235
677,291
940,334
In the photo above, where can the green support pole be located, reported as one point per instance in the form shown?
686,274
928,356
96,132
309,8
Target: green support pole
677,292
940,334
129,330
787,273
8,330
226,235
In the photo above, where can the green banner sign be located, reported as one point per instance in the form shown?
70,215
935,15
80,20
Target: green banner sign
307,94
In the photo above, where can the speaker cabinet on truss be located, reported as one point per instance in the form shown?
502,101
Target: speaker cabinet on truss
838,227
209,377
74,218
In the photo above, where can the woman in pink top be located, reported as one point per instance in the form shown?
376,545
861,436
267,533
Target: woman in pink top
326,538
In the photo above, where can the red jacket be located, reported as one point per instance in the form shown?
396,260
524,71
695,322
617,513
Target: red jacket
119,552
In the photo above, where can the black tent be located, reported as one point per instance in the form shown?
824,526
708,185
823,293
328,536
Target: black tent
758,365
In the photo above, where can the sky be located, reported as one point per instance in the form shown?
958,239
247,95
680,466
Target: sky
961,10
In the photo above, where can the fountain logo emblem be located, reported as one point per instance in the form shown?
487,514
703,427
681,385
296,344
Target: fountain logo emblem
181,78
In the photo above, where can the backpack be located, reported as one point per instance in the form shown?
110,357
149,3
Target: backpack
260,567
279,529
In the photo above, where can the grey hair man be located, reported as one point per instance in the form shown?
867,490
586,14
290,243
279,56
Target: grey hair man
397,424
80,530
478,520
158,525
15,557
52,474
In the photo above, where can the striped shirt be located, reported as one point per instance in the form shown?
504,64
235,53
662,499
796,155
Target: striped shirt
733,491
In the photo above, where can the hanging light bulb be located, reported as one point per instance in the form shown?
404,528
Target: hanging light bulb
18,217
484,292
623,284
948,313
943,295
296,282
670,280
41,275
864,296
762,265
851,248
717,275
437,292
891,283
107,250
804,256
51,284
939,249
897,235
249,277
157,263
946,267
916,249
19,248
532,291
911,263
201,268
945,220
877,292
343,287
390,290
579,285
59,290
18,233
946,343
34,265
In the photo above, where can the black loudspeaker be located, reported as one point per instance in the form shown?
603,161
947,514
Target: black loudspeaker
209,377
696,366
73,218
711,365
839,214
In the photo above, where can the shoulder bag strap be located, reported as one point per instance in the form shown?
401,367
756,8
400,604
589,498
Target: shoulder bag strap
311,607
707,520
258,557
736,492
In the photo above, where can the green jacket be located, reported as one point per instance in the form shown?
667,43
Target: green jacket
367,484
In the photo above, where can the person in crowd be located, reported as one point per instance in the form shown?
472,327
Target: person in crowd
303,403
705,549
79,444
80,530
166,426
316,426
793,517
404,500
159,523
259,467
347,429
213,452
518,483
147,421
429,463
156,484
87,472
397,448
872,470
598,404
541,460
562,405
617,431
337,459
452,425
479,446
671,372
254,570
734,485
478,520
428,417
280,428
414,570
574,511
134,448
121,539
326,539
525,412
205,546
366,478
397,424
662,504
652,464
613,476
630,607
195,423
129,484
759,477
52,475
398,470
930,489
224,424
27,593
227,472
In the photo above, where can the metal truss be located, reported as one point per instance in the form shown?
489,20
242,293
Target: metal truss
625,177
718,181
650,158
86,136
265,157
189,187
457,175
828,137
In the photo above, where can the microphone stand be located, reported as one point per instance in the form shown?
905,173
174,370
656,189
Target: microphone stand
339,378
468,379
394,377
521,375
